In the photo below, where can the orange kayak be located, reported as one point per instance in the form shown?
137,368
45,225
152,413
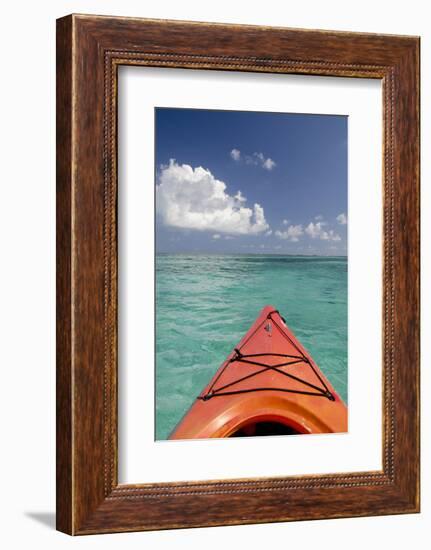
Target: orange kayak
268,385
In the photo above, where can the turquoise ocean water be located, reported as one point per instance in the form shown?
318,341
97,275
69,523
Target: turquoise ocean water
205,304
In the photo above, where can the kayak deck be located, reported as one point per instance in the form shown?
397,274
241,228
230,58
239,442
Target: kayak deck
268,385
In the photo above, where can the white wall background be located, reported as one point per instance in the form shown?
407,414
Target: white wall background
27,280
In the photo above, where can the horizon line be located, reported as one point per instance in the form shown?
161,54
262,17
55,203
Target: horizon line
250,254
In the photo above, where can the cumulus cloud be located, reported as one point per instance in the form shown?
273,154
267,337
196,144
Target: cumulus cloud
342,219
316,231
260,159
268,164
192,198
319,217
239,197
256,159
268,233
235,154
216,236
292,233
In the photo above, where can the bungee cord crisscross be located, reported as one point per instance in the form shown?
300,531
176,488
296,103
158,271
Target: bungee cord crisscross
255,360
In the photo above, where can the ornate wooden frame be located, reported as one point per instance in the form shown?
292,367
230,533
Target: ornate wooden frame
89,51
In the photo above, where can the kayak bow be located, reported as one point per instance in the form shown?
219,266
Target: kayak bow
268,385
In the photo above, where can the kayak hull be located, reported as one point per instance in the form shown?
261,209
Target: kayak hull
269,384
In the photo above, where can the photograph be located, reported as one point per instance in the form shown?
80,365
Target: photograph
251,256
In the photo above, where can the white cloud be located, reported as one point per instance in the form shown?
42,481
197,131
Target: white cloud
239,197
316,231
292,233
268,233
313,230
256,159
319,217
342,219
269,164
192,198
235,154
259,158
216,236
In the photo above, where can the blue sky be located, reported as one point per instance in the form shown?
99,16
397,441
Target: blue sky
250,182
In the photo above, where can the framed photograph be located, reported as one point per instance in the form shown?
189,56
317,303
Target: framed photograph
237,274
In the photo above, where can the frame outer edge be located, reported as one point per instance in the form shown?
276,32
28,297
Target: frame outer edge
407,280
64,367
81,506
